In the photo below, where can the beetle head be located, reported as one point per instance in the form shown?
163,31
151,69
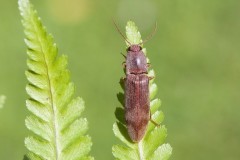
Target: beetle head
135,48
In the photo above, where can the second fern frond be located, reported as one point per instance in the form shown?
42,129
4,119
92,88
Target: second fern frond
55,119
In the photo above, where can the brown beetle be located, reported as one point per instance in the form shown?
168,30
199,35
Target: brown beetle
137,104
136,92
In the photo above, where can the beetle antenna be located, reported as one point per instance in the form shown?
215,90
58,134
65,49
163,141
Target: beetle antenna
125,38
151,35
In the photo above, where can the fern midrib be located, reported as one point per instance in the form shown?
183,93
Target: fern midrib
55,125
140,150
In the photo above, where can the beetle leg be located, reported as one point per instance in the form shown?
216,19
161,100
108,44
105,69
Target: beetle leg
124,64
123,55
122,80
155,123
151,77
148,65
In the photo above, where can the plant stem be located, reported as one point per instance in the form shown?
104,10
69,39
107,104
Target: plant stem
140,150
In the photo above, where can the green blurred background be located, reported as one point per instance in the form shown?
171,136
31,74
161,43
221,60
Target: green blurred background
195,53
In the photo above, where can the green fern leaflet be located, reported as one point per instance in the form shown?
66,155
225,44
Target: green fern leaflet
55,119
152,146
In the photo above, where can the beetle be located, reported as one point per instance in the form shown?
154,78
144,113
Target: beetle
136,92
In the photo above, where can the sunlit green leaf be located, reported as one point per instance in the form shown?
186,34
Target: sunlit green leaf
59,131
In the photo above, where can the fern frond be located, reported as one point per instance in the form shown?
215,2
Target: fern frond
152,146
2,100
59,130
